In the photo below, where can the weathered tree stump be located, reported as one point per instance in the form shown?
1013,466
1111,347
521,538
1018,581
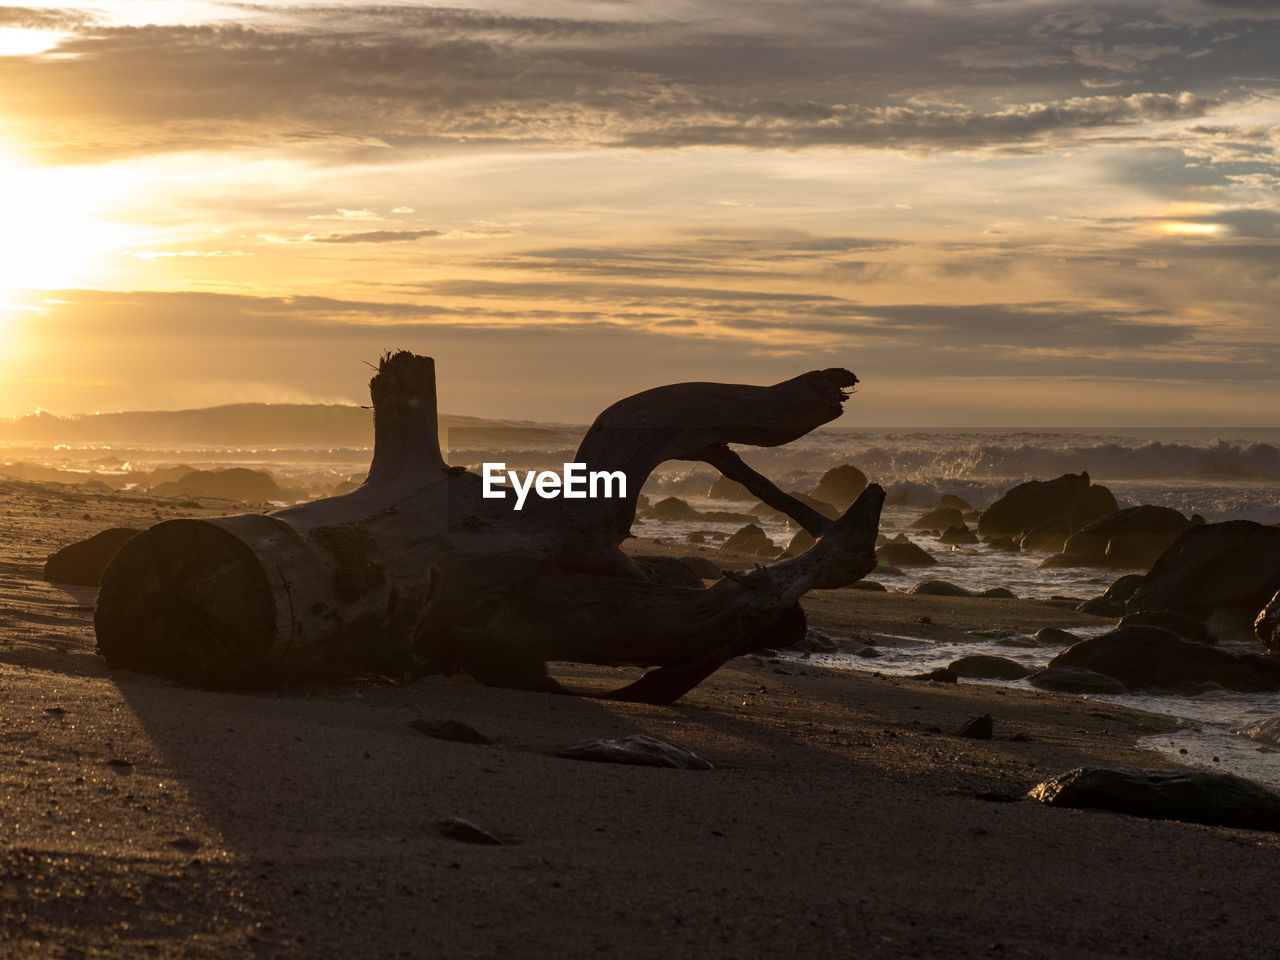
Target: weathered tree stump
416,570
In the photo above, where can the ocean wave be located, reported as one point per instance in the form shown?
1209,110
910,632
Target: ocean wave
1268,731
1153,460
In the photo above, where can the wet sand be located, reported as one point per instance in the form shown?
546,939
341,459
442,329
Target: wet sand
843,818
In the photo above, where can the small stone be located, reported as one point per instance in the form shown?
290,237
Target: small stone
639,750
977,728
938,675
450,730
464,831
183,842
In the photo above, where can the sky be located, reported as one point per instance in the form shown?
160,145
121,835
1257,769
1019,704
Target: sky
1015,213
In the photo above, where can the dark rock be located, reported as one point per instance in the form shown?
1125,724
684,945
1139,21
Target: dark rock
958,536
453,730
939,588
983,667
697,537
1234,564
998,593
669,570
1053,637
726,489
815,642
1047,537
1179,624
673,508
1112,601
1004,544
1133,537
870,586
82,563
801,542
233,483
1076,680
977,728
1095,502
636,749
455,828
868,652
1101,607
1267,626
904,555
1069,498
1064,560
1192,796
953,502
1148,658
1021,643
750,540
1123,588
940,519
938,675
840,486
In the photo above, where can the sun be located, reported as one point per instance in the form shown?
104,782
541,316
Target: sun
56,227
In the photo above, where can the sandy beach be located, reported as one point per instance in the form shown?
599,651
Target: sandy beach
843,816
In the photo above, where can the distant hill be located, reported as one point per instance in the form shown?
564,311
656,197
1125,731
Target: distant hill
257,424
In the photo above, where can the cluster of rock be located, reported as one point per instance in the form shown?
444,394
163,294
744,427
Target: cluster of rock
1215,582
182,481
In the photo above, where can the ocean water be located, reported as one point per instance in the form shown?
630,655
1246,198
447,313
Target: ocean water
1218,473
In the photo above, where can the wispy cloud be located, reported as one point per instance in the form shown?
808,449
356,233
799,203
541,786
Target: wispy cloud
376,236
869,76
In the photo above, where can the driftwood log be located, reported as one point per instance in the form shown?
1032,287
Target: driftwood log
416,570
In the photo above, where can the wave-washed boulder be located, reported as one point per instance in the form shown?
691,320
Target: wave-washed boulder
1267,626
1218,799
1071,498
1134,537
1218,571
1151,658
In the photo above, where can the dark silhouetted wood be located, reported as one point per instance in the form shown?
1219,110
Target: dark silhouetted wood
416,570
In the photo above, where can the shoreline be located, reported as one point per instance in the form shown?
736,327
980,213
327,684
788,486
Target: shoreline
843,815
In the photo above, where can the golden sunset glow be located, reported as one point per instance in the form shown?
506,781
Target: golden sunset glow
1191,229
54,235
516,187
22,43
